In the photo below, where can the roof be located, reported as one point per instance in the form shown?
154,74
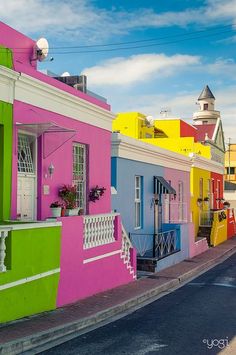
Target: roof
203,129
230,186
206,94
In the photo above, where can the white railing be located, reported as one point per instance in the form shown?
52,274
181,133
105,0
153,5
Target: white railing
126,246
99,230
3,235
175,212
206,218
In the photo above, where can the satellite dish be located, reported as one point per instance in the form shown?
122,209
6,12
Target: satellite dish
66,73
150,121
41,49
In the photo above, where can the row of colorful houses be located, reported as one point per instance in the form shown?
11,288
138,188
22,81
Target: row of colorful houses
149,193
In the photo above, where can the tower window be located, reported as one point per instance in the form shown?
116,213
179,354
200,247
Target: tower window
205,107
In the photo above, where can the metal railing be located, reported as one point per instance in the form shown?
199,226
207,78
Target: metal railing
206,218
99,229
166,243
157,246
175,212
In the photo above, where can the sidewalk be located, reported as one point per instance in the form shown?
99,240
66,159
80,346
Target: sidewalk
28,333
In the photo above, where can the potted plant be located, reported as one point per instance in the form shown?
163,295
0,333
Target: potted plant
56,209
69,196
226,204
199,201
206,199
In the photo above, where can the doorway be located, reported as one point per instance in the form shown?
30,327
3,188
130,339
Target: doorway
26,177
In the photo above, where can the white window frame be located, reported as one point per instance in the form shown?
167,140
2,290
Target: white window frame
80,181
138,202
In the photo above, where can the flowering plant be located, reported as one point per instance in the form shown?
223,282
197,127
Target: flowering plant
68,194
55,204
96,192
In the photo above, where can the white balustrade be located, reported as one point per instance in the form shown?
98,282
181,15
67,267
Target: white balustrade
99,230
3,235
126,246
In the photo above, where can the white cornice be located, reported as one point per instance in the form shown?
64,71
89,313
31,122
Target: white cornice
207,164
37,93
7,84
134,149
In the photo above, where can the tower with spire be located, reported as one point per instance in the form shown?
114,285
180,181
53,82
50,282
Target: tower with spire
207,113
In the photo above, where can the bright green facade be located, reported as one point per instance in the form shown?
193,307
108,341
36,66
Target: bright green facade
30,252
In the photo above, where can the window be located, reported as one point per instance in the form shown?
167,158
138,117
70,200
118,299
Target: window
180,201
138,202
79,173
230,170
25,155
201,188
205,107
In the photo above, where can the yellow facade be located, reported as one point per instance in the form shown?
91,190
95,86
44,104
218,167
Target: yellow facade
199,189
230,163
132,124
219,228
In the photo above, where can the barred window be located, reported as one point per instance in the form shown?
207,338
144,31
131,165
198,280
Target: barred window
79,173
138,202
25,155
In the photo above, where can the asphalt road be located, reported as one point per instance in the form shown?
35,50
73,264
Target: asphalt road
198,318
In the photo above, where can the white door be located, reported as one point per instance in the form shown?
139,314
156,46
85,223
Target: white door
26,182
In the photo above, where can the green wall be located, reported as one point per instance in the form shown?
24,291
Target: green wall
30,252
6,126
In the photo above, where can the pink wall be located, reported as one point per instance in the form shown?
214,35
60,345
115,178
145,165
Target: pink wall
98,141
22,47
175,176
79,280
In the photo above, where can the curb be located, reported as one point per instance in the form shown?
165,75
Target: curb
40,339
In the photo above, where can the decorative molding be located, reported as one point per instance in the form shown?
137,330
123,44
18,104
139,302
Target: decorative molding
20,226
207,164
90,260
24,88
134,149
29,279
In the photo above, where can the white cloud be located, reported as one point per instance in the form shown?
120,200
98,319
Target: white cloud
137,68
84,21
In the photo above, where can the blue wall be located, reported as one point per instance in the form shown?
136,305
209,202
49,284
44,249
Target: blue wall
123,179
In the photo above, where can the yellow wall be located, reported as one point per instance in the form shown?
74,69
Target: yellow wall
182,145
195,176
219,228
170,127
132,124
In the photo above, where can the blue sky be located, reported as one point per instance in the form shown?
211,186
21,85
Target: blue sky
168,74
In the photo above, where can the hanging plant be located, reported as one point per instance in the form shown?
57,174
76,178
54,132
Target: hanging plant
95,193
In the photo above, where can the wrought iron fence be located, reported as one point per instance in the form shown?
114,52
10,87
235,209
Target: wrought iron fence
166,243
157,246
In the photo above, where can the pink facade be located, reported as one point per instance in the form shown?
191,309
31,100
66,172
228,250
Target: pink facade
85,272
98,141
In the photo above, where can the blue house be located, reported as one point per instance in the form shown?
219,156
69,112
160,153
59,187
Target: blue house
150,189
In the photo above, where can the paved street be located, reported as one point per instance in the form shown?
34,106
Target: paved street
199,318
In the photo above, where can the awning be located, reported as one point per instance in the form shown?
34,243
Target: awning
54,135
161,186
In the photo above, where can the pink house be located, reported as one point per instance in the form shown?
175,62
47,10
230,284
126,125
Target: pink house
63,136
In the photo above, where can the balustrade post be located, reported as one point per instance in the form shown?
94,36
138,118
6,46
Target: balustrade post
3,235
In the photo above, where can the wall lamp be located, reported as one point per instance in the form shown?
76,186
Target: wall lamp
51,170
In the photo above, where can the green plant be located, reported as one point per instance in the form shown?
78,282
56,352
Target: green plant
55,204
69,195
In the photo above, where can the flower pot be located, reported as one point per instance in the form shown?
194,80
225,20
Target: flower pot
72,212
56,211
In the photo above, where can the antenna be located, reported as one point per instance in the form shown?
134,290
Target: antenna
41,49
165,112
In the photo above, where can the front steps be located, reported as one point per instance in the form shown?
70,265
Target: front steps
204,232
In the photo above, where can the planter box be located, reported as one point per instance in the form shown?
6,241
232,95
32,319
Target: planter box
56,211
72,212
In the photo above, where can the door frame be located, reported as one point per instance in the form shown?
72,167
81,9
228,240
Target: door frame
35,175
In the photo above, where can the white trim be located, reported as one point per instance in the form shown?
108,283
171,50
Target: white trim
24,88
134,149
29,279
86,261
207,164
20,226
